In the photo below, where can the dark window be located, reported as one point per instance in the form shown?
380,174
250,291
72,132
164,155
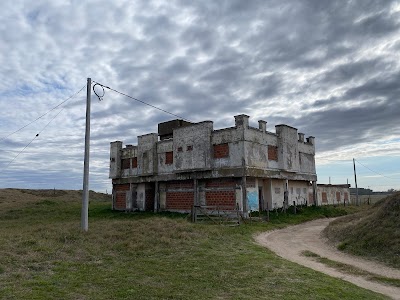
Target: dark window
134,162
169,158
272,153
189,148
221,150
180,149
125,163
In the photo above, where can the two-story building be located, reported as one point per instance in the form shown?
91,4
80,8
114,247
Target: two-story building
187,164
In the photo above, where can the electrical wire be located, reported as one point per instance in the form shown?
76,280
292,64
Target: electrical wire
138,100
36,136
61,103
375,171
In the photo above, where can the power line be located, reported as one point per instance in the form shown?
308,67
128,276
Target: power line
136,99
3,138
375,171
37,135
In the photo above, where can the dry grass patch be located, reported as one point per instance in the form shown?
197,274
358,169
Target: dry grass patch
373,233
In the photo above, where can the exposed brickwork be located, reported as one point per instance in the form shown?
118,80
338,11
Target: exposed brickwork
134,162
184,184
311,198
338,196
221,150
169,158
179,200
272,153
149,200
125,163
221,198
122,187
120,201
120,192
221,183
324,197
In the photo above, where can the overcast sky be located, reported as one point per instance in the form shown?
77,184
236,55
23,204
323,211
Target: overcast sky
329,68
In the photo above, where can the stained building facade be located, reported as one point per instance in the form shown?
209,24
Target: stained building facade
187,164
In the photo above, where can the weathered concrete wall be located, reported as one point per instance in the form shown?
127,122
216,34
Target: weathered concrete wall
192,147
288,150
298,192
147,154
162,148
129,153
333,194
115,159
236,148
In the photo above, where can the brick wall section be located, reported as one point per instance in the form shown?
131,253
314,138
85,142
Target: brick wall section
149,200
272,153
324,197
184,184
179,200
338,196
169,158
221,150
221,183
125,163
120,192
134,162
221,198
311,198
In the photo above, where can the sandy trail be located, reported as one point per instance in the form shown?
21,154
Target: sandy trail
289,242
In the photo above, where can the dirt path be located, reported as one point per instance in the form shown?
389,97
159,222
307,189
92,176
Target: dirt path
289,242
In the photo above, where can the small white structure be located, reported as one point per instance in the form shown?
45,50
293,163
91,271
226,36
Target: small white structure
334,194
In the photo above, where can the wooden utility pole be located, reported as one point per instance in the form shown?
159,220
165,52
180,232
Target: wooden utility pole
355,180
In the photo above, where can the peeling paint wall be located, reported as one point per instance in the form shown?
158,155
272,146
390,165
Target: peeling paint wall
147,154
192,147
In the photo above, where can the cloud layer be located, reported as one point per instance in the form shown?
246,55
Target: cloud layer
329,68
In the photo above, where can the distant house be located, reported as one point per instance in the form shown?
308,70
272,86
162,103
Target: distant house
334,194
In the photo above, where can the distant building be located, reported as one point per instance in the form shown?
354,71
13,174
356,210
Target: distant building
333,194
188,164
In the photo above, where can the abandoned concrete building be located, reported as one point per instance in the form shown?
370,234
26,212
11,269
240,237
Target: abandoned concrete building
187,164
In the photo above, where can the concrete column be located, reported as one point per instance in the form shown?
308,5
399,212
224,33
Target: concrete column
156,197
244,197
314,185
196,192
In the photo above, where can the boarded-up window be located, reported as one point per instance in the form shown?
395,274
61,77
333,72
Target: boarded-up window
304,191
298,190
337,196
125,163
221,150
272,153
169,158
277,190
324,197
346,196
134,162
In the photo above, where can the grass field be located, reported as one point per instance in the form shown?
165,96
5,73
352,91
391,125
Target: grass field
373,233
146,256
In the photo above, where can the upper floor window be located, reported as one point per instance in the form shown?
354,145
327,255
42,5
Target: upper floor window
169,158
221,150
134,162
272,153
125,163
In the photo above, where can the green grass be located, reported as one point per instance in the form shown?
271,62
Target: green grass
373,233
44,255
352,270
